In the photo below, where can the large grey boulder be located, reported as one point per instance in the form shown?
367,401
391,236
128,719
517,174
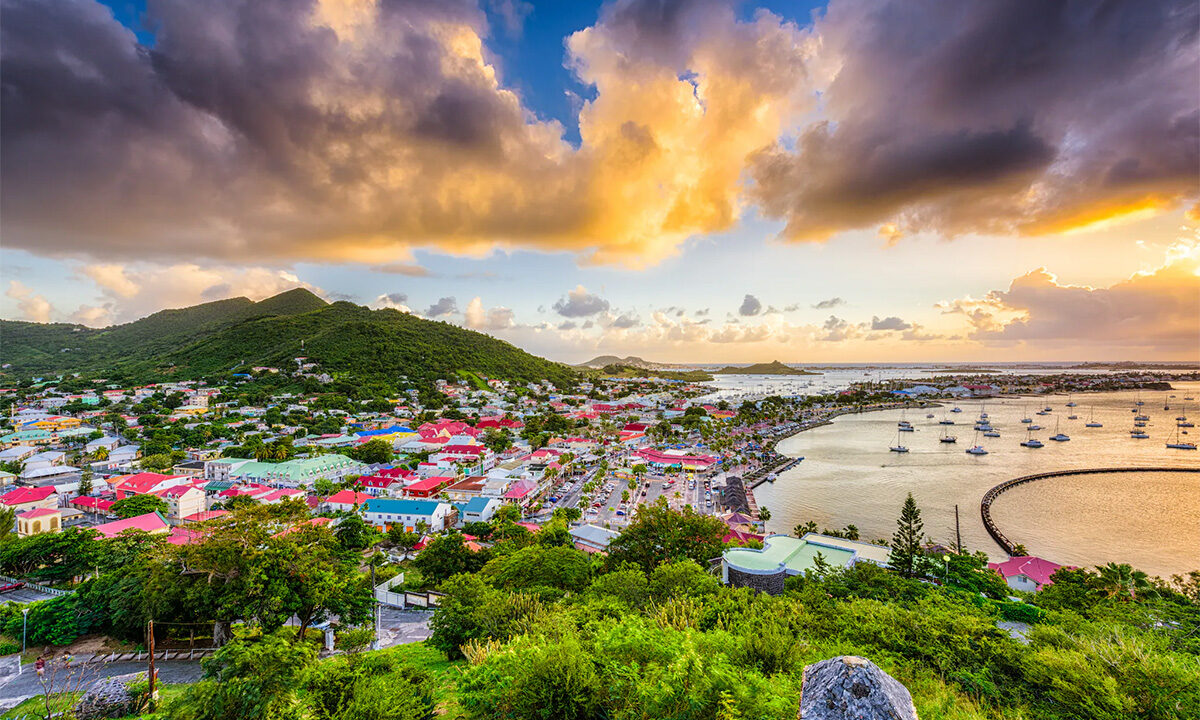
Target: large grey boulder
109,698
853,688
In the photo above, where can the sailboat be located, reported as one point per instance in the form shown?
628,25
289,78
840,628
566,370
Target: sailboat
991,433
976,448
956,409
1031,442
903,422
1070,402
1167,403
1138,434
1175,444
948,438
945,421
1059,436
898,448
1092,419
1026,419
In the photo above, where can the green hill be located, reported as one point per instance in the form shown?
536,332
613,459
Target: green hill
772,368
230,335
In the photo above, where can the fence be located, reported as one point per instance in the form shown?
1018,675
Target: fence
406,599
36,586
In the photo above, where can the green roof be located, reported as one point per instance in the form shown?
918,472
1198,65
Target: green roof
783,552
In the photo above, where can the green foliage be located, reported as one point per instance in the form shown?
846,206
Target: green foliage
136,505
372,687
446,556
373,452
659,534
562,568
907,552
255,676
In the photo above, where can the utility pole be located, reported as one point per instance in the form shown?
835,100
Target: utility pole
374,611
957,532
150,645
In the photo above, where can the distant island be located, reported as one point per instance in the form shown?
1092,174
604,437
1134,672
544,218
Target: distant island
772,368
603,361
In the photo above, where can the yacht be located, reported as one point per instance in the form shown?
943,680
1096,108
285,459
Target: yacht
1138,434
929,416
1072,417
1176,444
906,428
1059,436
1034,427
991,433
1141,417
1047,409
1042,412
956,409
1026,419
1092,419
948,438
1070,402
976,448
898,448
1139,424
945,421
1032,443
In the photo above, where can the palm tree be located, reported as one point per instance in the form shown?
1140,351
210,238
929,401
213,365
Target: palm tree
1122,581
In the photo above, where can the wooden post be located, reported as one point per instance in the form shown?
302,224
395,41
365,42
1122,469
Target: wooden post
150,646
957,532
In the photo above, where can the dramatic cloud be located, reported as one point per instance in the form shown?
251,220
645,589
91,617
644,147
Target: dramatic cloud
580,303
283,130
889,323
1151,312
750,306
829,304
626,320
835,329
444,306
493,319
992,116
396,301
33,307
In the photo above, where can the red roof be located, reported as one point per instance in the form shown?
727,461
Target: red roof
1034,568
428,484
86,501
140,483
38,512
150,522
348,497
23,495
205,515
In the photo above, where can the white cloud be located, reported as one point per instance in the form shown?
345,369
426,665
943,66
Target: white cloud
33,307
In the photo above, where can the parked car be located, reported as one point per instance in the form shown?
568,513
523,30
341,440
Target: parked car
11,586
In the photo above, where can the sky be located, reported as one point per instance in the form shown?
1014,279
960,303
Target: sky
682,180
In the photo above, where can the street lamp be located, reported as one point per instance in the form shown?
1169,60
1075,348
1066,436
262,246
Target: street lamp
945,568
24,634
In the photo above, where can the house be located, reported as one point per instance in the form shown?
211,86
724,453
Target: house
477,455
92,505
22,498
346,500
105,443
1026,572
384,512
592,538
17,453
477,509
38,521
152,523
182,500
427,487
144,483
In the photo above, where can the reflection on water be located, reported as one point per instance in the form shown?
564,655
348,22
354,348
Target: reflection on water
1149,520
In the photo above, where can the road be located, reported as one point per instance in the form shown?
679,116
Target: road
25,685
400,627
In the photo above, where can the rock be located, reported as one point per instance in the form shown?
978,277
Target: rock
109,698
853,688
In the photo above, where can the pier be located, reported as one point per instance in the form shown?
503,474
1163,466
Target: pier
985,505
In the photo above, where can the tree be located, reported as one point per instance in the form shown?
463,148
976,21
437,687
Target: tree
659,534
85,482
763,513
405,540
446,556
374,452
138,505
1122,582
496,440
803,529
252,677
906,542
8,520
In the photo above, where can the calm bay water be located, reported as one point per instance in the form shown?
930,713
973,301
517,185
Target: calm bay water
1151,520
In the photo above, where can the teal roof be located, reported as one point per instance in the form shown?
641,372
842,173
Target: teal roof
400,507
786,553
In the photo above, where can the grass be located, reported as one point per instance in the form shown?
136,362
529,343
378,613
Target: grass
35,707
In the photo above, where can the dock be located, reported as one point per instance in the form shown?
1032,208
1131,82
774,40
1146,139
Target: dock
985,505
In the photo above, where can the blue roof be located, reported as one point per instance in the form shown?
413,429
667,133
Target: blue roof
384,431
474,505
401,507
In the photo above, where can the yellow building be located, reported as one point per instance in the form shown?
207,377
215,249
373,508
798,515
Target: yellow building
38,521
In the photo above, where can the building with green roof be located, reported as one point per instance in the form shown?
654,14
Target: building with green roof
783,556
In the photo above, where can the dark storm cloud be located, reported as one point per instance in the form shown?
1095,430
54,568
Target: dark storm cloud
444,306
992,116
889,323
580,303
750,306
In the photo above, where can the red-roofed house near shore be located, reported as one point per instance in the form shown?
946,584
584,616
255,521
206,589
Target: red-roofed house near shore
1026,572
